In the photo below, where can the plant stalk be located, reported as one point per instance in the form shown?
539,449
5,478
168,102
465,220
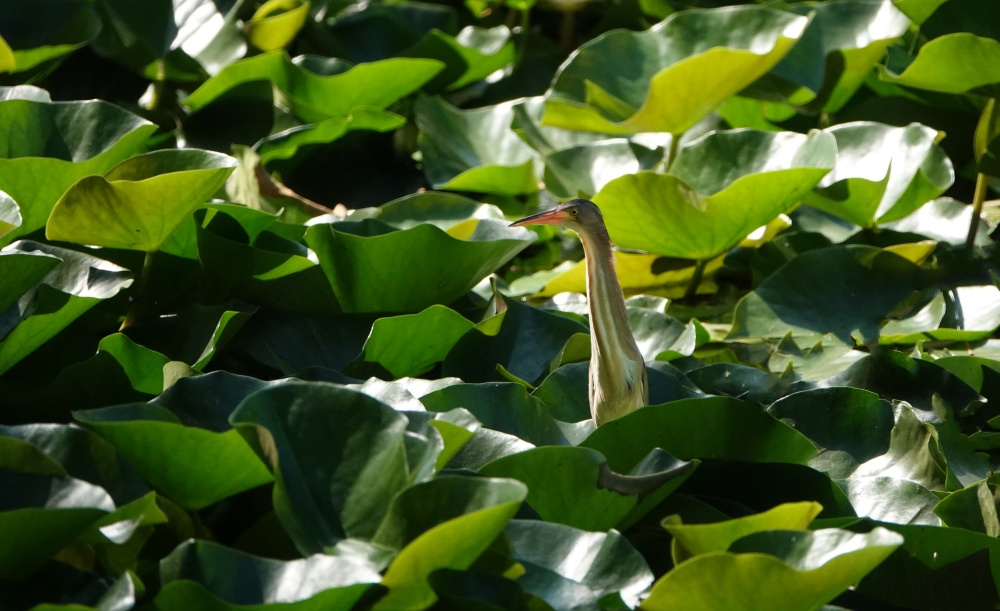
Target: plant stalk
135,311
699,273
977,209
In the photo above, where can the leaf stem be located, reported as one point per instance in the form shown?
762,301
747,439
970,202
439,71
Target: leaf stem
158,85
696,277
977,210
675,140
139,299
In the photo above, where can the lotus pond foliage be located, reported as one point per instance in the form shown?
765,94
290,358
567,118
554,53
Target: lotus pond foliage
267,339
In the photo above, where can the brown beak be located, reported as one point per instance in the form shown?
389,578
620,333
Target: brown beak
549,217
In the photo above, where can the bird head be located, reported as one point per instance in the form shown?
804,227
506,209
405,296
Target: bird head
574,214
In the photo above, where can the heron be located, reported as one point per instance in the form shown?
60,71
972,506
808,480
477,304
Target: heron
618,379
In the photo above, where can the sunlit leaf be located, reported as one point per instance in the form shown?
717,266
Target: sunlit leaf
937,67
883,173
474,150
720,189
140,202
317,97
667,78
275,24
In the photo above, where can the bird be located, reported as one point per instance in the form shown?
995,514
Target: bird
618,381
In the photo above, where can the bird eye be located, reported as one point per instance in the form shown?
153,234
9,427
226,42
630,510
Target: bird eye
574,211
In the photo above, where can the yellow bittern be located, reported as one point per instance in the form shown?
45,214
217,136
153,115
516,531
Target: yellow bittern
618,379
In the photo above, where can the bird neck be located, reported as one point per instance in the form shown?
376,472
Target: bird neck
609,329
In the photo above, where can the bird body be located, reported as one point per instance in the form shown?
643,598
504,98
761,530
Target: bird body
618,379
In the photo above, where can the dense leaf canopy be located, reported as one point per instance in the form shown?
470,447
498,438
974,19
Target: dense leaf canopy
267,339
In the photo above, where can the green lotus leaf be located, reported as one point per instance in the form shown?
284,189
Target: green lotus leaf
7,59
140,202
918,382
667,78
564,391
285,145
930,557
474,150
527,124
890,499
954,63
247,254
10,214
20,271
505,407
452,213
583,170
973,508
743,381
122,371
378,31
942,220
454,544
469,56
169,40
842,43
712,427
420,508
67,26
70,288
849,421
913,454
166,452
883,173
79,453
690,540
975,314
774,308
918,10
312,424
523,340
606,567
58,144
779,570
411,344
41,514
276,23
575,487
759,486
207,575
363,262
721,188
317,97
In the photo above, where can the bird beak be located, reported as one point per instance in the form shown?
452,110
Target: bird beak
549,217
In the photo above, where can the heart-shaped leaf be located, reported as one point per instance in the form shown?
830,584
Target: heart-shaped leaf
474,150
883,173
720,188
58,144
667,78
316,97
140,202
